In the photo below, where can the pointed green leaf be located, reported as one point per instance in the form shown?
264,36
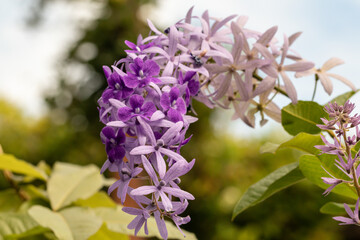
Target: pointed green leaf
9,162
9,201
83,222
30,234
333,208
311,167
266,187
73,223
15,223
302,117
117,221
53,220
105,234
341,99
99,199
69,183
304,142
269,147
328,162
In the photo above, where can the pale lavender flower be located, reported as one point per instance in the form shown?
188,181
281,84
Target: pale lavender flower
324,76
163,186
159,147
354,216
282,68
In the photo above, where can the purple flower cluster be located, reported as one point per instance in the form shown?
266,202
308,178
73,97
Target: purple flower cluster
338,125
219,62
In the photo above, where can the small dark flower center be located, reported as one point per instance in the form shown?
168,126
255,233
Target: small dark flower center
137,110
177,180
125,171
117,86
159,143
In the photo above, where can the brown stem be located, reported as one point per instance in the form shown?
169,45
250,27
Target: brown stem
353,170
256,76
9,177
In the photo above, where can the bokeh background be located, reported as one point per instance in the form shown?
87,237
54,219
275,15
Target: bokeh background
51,54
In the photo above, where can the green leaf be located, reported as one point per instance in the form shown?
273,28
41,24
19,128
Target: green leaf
105,234
302,117
266,187
73,223
34,232
341,99
99,199
304,142
310,166
328,162
9,201
333,208
69,183
269,147
9,162
15,223
117,221
32,202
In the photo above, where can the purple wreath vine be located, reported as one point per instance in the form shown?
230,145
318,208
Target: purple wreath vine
147,106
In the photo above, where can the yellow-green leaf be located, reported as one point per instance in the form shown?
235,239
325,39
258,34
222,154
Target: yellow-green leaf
73,223
99,199
105,234
69,183
9,162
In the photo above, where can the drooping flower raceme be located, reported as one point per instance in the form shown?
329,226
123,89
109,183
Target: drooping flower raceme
338,125
148,102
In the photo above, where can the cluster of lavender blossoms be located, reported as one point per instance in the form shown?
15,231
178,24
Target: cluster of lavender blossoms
145,107
339,123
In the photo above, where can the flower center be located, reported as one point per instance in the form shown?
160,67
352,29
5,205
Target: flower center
159,143
117,86
137,110
162,183
125,171
141,73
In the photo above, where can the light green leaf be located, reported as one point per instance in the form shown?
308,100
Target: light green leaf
304,142
9,162
310,166
15,223
269,147
105,234
73,223
328,162
99,199
30,234
25,206
266,187
53,220
83,222
9,201
109,181
341,99
117,221
69,183
333,208
302,117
